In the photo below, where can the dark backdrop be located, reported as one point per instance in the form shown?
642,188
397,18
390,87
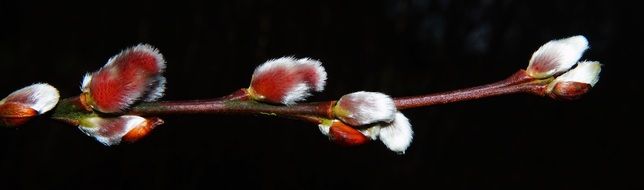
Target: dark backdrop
396,47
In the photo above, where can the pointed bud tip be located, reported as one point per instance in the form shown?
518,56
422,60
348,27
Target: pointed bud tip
142,130
287,80
556,56
578,41
362,108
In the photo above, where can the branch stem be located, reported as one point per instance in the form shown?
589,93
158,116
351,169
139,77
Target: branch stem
517,83
239,103
229,107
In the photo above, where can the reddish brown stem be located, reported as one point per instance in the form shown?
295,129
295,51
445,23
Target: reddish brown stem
239,102
236,103
229,107
519,82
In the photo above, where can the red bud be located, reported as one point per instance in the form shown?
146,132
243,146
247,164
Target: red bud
142,130
15,114
23,104
343,134
569,90
111,131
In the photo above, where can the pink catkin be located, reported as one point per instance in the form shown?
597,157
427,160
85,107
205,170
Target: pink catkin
117,85
112,127
311,76
139,61
275,83
287,80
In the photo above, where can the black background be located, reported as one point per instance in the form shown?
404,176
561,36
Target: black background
396,47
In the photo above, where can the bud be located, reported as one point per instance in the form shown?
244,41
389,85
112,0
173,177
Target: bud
287,80
576,82
111,131
142,130
569,90
397,135
556,56
15,114
20,106
362,108
134,74
342,133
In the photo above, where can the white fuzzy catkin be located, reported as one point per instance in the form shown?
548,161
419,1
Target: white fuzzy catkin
97,128
156,89
299,92
397,135
585,72
557,56
362,108
41,97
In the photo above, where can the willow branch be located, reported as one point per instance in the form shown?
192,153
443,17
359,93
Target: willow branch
239,102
